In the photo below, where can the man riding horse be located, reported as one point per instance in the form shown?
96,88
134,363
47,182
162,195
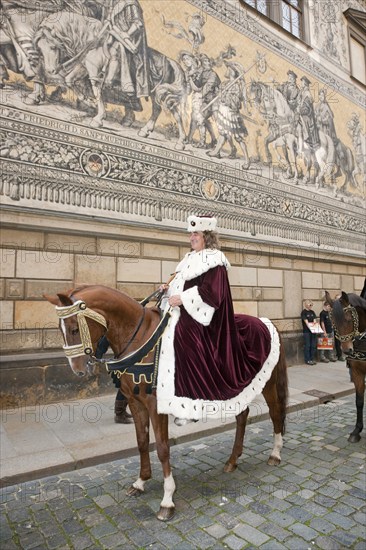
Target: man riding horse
128,57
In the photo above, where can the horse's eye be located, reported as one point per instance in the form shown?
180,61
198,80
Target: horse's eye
75,331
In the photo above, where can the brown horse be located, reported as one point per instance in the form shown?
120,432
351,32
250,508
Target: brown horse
89,312
349,322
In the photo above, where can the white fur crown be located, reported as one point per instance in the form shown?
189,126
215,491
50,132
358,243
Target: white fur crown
195,223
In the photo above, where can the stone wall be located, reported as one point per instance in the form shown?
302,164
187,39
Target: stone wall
97,189
267,280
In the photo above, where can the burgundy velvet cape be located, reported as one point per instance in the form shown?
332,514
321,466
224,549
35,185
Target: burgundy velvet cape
219,360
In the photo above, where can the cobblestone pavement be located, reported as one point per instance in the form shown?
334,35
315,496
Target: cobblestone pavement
314,499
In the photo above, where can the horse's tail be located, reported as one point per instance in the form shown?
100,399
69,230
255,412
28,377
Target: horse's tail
282,385
170,95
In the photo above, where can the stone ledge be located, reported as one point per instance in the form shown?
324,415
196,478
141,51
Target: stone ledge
21,360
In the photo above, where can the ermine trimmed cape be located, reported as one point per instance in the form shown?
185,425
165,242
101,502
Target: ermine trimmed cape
212,362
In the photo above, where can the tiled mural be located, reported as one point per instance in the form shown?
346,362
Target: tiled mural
147,109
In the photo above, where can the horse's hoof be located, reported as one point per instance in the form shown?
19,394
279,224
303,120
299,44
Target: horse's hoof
229,467
165,514
133,492
273,461
96,123
354,438
32,100
179,146
143,133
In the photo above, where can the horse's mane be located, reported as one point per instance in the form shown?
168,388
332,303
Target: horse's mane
115,292
72,31
357,301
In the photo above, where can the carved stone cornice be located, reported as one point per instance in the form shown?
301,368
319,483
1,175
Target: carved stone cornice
101,174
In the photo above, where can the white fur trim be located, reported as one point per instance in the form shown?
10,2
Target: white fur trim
195,223
196,307
199,409
195,264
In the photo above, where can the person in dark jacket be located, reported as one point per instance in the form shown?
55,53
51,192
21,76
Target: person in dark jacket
326,324
308,317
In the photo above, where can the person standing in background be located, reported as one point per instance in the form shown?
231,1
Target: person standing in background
327,329
308,316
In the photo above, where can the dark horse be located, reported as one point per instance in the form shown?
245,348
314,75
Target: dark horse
349,323
89,312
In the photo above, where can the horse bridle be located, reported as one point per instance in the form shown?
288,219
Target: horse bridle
81,311
355,332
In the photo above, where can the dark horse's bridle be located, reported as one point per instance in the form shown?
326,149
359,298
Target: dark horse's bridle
355,335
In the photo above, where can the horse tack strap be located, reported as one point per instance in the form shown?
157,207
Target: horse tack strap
141,372
80,309
137,356
355,355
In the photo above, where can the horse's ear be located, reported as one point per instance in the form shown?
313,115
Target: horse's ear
58,300
52,299
65,300
344,299
328,299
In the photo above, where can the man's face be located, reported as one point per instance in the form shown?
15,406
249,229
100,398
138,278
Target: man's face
197,241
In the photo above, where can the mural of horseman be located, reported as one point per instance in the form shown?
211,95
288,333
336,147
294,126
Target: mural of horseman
343,155
296,128
128,56
20,21
76,49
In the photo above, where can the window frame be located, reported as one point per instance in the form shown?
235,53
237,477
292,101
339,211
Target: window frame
274,15
357,31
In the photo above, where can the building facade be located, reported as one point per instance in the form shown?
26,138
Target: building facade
119,119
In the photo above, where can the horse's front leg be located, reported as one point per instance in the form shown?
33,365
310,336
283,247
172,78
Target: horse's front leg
150,125
160,426
141,419
269,139
241,422
93,64
358,378
38,95
182,135
97,121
